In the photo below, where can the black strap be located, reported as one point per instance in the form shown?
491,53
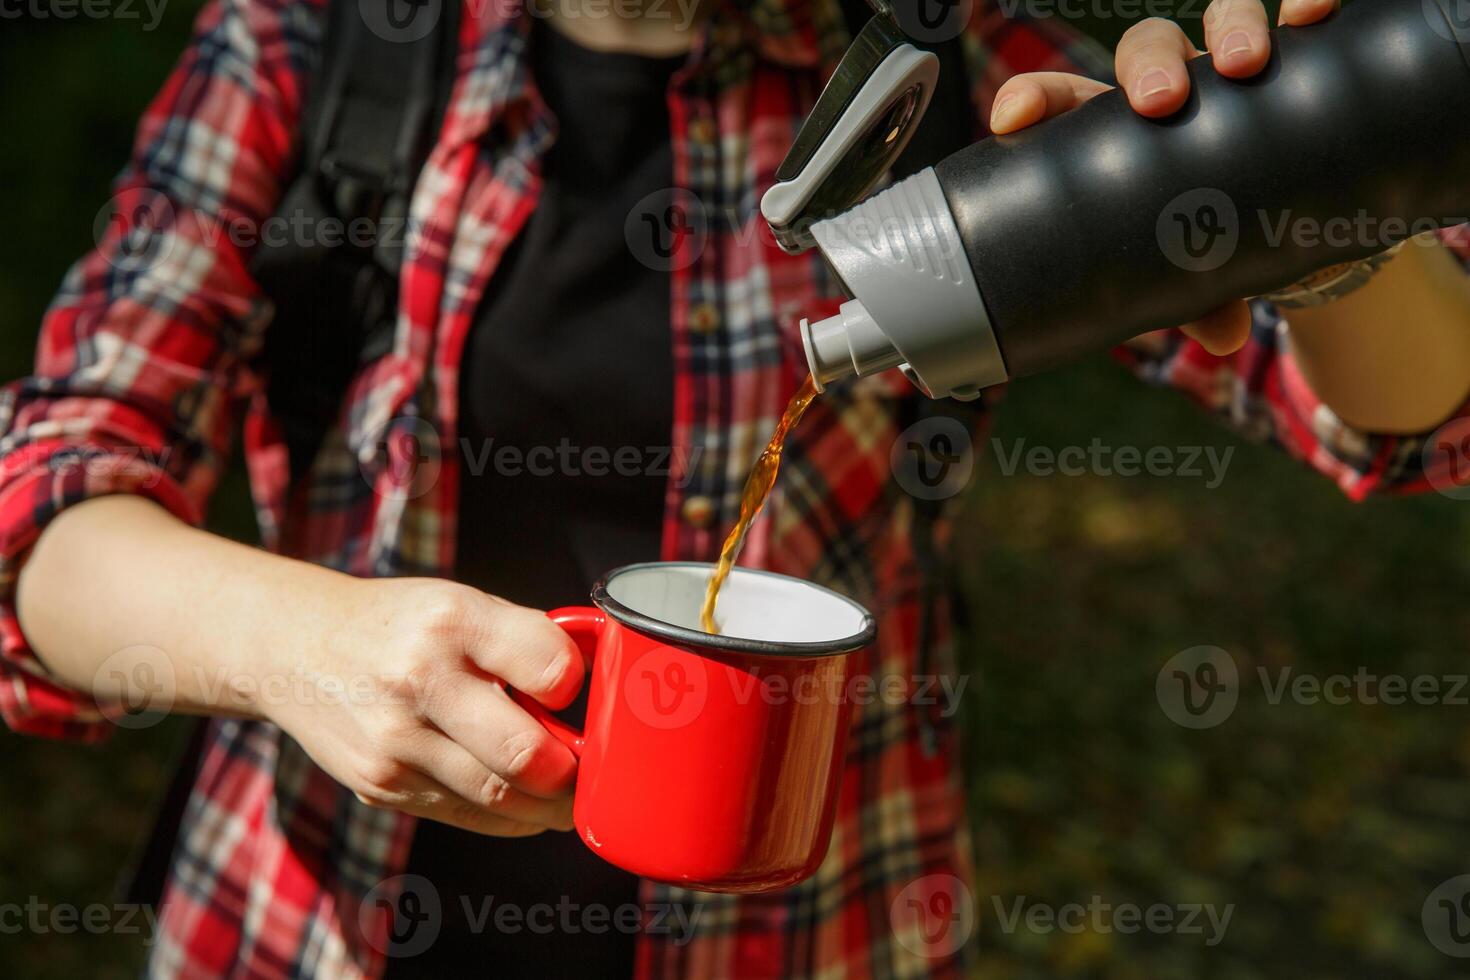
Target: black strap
381,107
143,879
374,106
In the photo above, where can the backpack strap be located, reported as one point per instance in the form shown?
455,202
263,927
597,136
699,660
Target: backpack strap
381,106
374,106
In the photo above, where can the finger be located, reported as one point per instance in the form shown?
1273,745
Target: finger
1238,36
1299,13
1223,331
526,650
480,716
1150,66
1026,100
471,784
419,795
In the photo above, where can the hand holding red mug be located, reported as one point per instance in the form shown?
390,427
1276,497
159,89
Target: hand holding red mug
396,687
708,760
438,736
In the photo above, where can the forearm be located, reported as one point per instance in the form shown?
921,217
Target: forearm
119,573
387,684
1394,356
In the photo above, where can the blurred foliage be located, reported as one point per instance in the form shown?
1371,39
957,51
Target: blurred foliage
1325,826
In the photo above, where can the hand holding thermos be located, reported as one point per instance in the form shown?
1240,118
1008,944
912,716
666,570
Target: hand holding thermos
1205,180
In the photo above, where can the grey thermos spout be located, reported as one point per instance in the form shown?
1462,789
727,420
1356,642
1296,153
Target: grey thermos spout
1022,252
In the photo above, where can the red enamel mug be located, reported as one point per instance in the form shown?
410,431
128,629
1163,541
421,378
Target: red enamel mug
709,761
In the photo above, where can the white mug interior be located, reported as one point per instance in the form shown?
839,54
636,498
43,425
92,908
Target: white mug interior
755,606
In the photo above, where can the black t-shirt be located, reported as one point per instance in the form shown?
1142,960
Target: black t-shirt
567,376
566,395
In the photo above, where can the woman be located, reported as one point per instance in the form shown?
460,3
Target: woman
526,319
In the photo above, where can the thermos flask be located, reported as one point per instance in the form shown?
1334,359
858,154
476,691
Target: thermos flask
1021,252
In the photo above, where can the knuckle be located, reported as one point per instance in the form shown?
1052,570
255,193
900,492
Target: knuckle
1146,30
409,690
398,731
492,794
370,800
519,753
425,686
469,813
1231,14
446,610
557,672
466,813
1157,50
381,778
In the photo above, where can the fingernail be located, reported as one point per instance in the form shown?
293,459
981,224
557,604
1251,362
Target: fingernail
1236,44
1003,113
1153,83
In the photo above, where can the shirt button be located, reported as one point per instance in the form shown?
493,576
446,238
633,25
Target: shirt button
704,318
702,130
698,512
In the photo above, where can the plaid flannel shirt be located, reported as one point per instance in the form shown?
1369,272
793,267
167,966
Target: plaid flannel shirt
143,372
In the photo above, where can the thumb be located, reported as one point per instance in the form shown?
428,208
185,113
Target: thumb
1223,331
1028,99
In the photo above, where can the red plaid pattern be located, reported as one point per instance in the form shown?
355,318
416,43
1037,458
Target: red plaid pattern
143,369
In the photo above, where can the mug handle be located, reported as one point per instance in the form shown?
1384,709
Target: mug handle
584,624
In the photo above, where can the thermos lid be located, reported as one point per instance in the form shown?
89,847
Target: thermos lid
863,120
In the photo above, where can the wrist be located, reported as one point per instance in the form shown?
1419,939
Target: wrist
287,631
1332,283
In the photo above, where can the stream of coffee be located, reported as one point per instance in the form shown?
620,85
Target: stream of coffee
757,489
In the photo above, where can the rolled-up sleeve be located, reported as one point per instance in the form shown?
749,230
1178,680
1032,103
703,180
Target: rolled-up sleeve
1261,391
141,364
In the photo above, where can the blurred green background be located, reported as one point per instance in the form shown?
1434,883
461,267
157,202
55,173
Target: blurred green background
1325,826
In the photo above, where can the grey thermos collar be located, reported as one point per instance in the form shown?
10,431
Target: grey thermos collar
915,301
